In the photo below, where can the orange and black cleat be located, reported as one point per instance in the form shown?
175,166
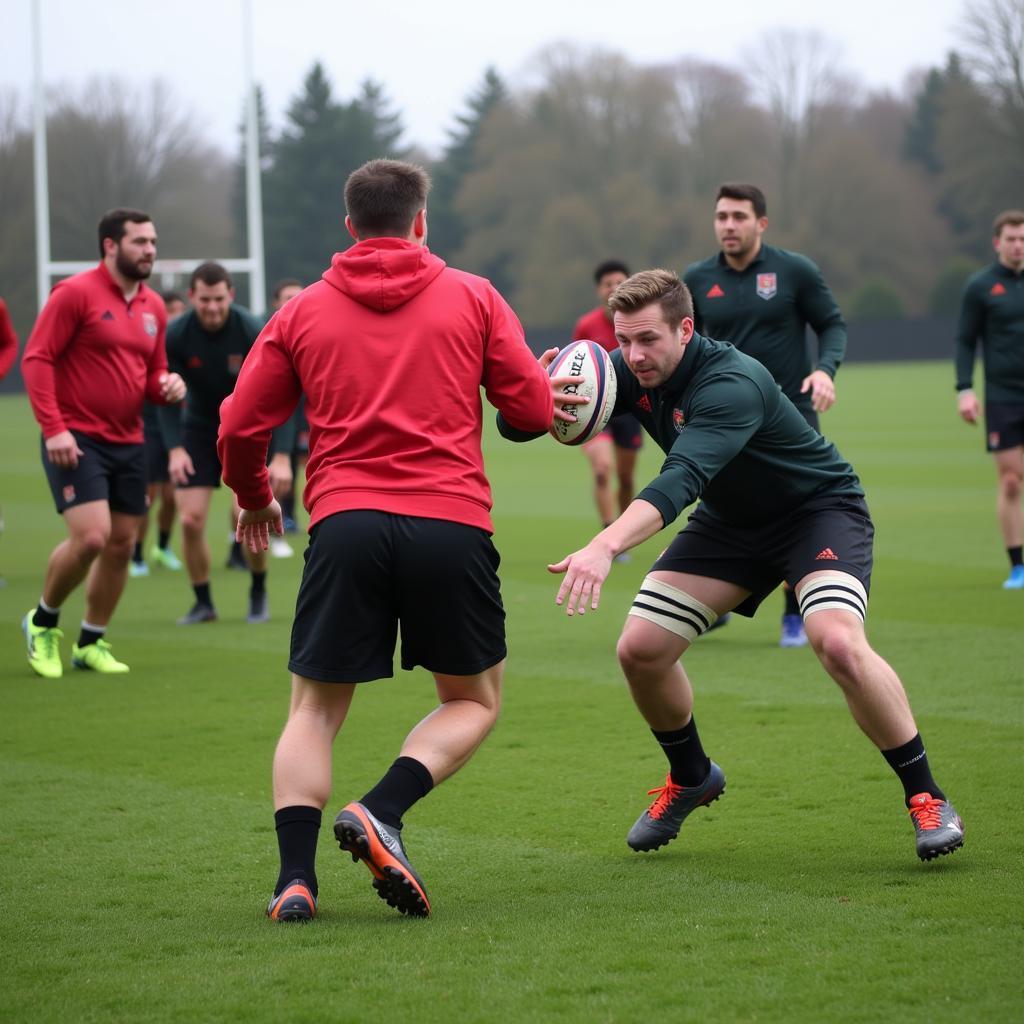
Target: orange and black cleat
380,848
939,829
295,902
660,823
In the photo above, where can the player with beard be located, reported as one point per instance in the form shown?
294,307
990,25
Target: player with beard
207,346
96,351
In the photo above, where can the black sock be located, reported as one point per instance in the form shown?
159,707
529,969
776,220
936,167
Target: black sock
910,763
792,604
202,591
1016,556
297,831
137,552
259,583
88,635
44,618
406,781
164,540
688,764
236,551
288,505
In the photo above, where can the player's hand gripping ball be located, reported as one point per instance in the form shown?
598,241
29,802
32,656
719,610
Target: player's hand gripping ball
588,360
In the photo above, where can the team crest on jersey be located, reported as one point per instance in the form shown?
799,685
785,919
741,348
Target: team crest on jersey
767,285
234,363
149,324
993,440
69,493
677,420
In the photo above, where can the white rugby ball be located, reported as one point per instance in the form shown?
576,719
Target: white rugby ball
588,360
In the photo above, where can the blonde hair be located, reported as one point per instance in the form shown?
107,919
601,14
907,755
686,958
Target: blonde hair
661,286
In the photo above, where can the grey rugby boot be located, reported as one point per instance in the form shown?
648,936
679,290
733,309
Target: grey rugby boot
940,830
660,823
380,848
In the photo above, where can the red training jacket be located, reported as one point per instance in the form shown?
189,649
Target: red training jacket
595,326
92,357
391,348
8,341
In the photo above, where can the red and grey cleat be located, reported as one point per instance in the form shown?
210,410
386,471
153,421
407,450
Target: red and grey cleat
295,902
940,830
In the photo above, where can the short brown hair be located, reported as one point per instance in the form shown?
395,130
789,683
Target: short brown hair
285,282
210,274
1011,218
751,193
112,224
383,197
661,286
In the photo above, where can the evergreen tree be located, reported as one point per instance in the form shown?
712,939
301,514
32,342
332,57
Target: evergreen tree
447,227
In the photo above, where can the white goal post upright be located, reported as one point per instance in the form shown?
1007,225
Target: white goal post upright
47,268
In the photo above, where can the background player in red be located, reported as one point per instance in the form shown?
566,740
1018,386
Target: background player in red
621,441
391,348
8,353
96,351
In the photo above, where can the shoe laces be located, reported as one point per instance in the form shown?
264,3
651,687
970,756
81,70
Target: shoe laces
665,795
49,640
926,812
103,646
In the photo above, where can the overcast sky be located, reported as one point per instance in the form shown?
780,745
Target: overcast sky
430,56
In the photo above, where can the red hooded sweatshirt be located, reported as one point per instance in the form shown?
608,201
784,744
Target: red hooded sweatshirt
391,349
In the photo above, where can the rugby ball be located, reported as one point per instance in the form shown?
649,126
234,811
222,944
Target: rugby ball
589,361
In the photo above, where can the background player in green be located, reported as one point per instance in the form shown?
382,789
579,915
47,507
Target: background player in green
778,502
993,311
207,346
761,299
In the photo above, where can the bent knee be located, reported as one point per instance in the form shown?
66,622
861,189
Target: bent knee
643,651
1011,484
90,543
841,652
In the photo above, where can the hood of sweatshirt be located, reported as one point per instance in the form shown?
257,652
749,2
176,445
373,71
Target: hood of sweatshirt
383,273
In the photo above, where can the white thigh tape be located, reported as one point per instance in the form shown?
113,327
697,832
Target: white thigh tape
672,609
837,591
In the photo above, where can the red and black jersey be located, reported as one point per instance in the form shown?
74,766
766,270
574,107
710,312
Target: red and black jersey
93,357
8,341
595,326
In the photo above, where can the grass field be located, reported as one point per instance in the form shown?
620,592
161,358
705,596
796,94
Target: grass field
137,849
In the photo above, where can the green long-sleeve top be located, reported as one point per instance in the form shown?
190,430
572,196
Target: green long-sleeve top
992,311
730,437
764,311
210,363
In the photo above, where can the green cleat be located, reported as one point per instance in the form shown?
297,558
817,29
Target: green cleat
97,657
43,648
165,557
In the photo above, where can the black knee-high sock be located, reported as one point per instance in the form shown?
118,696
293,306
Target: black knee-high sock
137,552
792,604
405,782
165,537
1016,556
688,764
910,763
45,616
202,592
259,582
297,831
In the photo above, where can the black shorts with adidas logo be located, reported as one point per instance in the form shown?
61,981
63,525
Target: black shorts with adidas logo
825,533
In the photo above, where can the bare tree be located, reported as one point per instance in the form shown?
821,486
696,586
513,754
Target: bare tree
993,49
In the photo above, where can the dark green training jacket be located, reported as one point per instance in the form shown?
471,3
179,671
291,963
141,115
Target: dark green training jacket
731,438
764,311
210,364
993,311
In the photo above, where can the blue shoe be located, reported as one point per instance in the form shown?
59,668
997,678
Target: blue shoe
793,634
1015,581
136,569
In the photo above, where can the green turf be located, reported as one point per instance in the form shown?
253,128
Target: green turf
137,849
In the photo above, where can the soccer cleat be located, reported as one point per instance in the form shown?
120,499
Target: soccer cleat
280,548
97,657
295,902
380,848
939,829
660,823
165,557
198,613
793,634
1015,581
43,646
289,524
259,609
136,569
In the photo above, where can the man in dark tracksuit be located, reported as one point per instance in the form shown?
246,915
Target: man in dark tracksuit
207,347
778,503
993,310
762,299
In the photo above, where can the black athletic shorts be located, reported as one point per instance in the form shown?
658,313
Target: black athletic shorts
156,457
114,473
1004,425
367,572
825,533
201,444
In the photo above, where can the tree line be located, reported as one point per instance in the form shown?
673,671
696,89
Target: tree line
596,156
